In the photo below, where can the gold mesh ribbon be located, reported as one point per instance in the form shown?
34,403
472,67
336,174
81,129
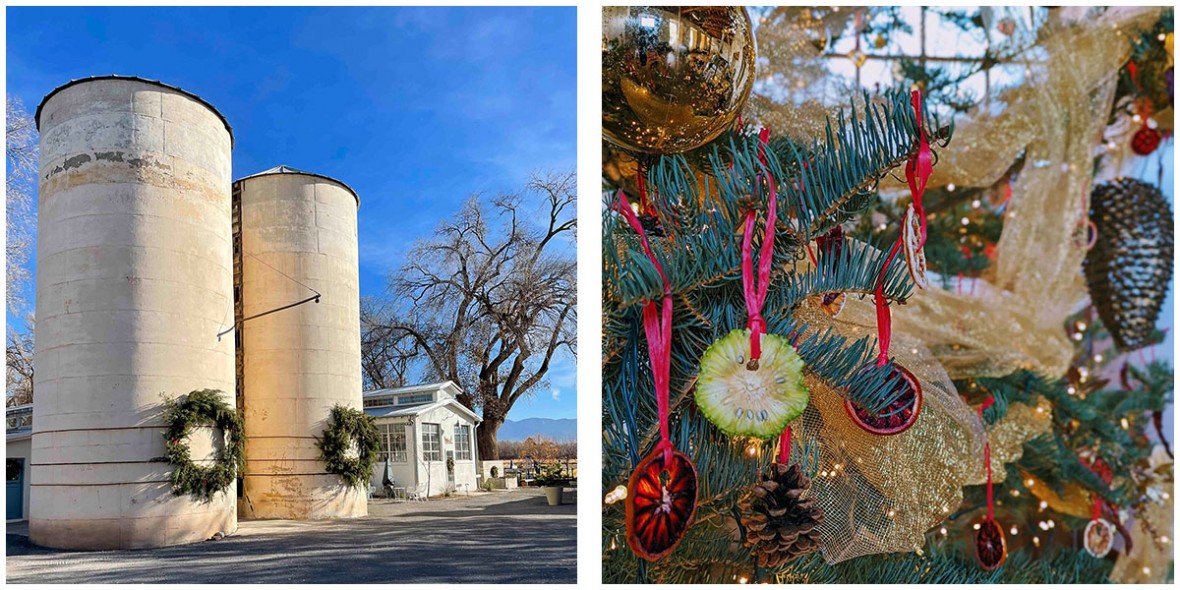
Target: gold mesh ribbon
1019,425
1014,319
1054,118
1151,536
880,494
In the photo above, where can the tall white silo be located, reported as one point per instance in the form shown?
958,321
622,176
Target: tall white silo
299,338
134,283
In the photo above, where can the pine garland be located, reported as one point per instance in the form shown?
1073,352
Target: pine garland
346,427
203,408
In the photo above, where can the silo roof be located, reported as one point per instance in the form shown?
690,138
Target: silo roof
283,169
37,115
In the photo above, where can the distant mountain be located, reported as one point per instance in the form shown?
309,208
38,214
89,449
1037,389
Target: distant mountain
556,429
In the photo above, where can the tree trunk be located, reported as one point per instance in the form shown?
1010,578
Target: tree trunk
485,437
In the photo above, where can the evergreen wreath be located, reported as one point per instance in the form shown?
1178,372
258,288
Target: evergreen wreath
203,407
346,427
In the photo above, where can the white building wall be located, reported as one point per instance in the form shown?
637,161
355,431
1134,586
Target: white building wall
404,473
436,471
432,475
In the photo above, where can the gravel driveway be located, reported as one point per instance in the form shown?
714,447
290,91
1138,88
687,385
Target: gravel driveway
498,538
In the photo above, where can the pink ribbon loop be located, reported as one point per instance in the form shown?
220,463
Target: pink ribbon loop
754,289
917,172
657,327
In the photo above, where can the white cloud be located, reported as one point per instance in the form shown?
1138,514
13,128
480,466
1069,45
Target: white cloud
556,394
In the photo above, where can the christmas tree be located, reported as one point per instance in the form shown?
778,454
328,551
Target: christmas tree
789,397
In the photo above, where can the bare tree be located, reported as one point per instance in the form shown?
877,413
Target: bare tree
387,355
18,353
490,298
20,231
20,186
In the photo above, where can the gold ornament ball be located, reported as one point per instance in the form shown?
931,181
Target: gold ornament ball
673,77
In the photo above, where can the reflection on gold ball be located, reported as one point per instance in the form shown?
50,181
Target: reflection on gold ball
673,78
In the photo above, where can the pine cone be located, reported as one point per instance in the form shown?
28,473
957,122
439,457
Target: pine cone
780,526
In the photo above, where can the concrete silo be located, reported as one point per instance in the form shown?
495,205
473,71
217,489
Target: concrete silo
134,283
299,338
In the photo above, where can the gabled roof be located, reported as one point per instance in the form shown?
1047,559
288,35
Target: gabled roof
396,412
449,386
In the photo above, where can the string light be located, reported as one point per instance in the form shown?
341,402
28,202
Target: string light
616,495
975,526
950,187
1013,530
976,204
942,530
965,221
1037,541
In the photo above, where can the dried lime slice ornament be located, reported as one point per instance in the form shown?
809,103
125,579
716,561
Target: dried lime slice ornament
745,397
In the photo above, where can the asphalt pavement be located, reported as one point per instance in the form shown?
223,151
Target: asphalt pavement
497,538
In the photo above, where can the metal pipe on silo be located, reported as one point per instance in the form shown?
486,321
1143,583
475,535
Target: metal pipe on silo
299,338
134,282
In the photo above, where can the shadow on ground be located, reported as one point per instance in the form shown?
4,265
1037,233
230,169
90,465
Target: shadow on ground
495,538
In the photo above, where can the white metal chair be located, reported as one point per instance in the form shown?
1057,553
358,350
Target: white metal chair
419,493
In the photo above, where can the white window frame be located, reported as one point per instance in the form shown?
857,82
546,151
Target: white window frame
432,452
462,442
397,455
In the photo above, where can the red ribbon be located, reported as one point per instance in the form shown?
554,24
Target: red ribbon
657,326
917,172
754,289
987,461
784,446
1102,470
920,166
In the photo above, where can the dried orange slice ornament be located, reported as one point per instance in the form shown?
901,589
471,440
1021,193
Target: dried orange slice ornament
915,256
1098,537
899,416
990,547
751,398
662,503
832,303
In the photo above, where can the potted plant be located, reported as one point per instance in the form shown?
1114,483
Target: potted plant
551,480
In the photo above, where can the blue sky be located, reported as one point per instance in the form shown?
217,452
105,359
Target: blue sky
415,108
